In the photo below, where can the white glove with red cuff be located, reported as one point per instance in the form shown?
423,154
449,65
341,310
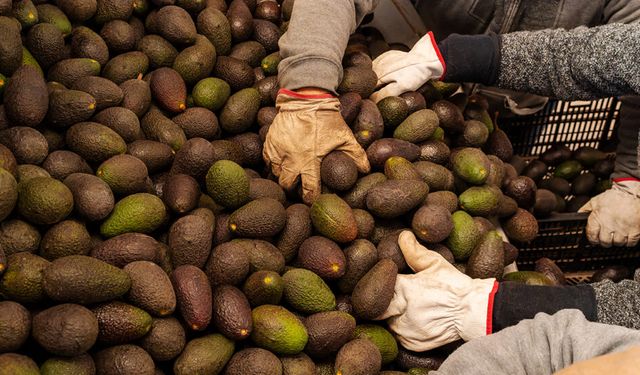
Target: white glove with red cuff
438,304
615,215
407,71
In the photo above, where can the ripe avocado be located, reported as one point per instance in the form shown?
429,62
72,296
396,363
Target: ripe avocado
521,227
11,364
250,52
432,223
338,171
435,175
328,332
125,66
307,292
263,288
231,312
418,127
393,110
254,361
263,217
535,170
333,218
120,322
92,197
299,364
15,326
94,142
278,330
67,329
119,36
359,79
228,264
26,98
358,356
523,190
80,365
158,127
189,241
206,355
451,118
105,92
394,198
68,71
126,248
28,145
130,359
194,296
546,202
356,197
368,126
238,74
584,184
372,294
499,145
166,339
323,257
140,212
296,230
551,270
22,280
108,10
181,193
379,151
137,96
266,33
18,236
161,53
87,44
48,13
198,122
487,259
196,62
10,46
263,188
475,134
464,236
151,288
8,193
46,43
69,237
125,174
44,200
399,168
588,156
155,155
360,256
168,89
213,24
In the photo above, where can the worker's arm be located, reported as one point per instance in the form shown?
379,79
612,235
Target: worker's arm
543,345
315,41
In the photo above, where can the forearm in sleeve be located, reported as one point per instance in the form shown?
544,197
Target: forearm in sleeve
315,41
543,345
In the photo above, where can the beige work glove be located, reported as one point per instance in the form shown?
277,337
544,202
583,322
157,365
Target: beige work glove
622,363
399,72
438,304
305,130
615,215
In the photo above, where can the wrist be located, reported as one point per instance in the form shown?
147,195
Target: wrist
307,93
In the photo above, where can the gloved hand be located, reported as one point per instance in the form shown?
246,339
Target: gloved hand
438,304
407,71
305,130
615,215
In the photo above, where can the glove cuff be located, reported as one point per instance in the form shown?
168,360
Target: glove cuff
630,185
477,309
298,95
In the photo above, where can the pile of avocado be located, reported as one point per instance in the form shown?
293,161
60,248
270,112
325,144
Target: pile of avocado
566,179
141,232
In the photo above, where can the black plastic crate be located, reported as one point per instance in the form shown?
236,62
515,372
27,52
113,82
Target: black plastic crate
562,238
575,124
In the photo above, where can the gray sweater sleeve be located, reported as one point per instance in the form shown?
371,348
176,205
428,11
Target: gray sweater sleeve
315,41
543,345
583,63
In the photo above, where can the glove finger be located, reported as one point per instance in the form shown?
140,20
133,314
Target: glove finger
418,257
311,187
288,178
606,238
619,239
586,208
353,149
593,230
633,240
392,89
271,159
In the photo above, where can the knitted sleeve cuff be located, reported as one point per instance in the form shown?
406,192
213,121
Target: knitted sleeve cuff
471,58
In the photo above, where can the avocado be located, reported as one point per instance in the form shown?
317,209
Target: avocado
549,268
476,112
323,257
372,294
379,151
126,248
124,359
155,155
270,64
15,326
487,259
382,338
228,264
368,125
67,329
25,172
125,174
267,34
499,145
535,170
496,171
296,230
365,223
94,142
8,193
161,53
68,237
510,253
557,185
475,134
28,145
126,66
263,288
418,127
181,193
528,278
556,154
87,44
546,202
240,21
240,111
93,280
263,188
388,248
105,93
432,223
227,184
356,197
207,355
166,339
575,203
299,364
151,288
434,151
189,241
22,279
254,361
10,46
120,322
471,165
394,198
394,110
338,171
361,256
588,156
168,89
18,236
584,184
25,12
213,24
358,79
26,99
306,292
46,43
119,36
122,121
197,61
464,236
333,218
450,116
140,212
68,71
194,296
11,364
350,108
157,127
480,200
108,10
602,186
358,357
399,168
198,122
521,227
92,197
211,93
80,365
8,161
435,175
231,312
137,96
262,255
523,190
603,168
250,52
263,217
51,14
44,200
328,332
278,330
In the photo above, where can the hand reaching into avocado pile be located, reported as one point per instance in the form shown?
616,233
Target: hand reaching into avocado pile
307,128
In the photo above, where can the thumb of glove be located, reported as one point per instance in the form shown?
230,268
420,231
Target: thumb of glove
586,208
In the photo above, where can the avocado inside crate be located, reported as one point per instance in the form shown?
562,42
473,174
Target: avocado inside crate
562,236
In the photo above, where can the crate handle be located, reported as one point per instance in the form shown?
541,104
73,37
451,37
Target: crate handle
580,103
